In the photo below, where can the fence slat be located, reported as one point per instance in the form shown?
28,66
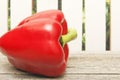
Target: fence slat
3,16
95,25
20,9
115,25
46,5
73,13
95,28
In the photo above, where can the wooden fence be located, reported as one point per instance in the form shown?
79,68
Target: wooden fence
94,20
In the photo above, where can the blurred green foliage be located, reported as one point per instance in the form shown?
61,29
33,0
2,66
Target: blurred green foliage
107,26
83,24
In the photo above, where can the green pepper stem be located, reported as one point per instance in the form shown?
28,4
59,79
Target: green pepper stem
71,35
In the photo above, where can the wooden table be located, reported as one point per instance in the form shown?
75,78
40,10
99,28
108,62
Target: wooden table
80,67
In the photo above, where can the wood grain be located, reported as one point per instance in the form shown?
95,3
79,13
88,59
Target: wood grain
79,67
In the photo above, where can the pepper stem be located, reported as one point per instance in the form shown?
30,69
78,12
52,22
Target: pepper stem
71,35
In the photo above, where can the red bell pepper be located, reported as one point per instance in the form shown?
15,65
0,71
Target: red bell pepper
38,44
52,14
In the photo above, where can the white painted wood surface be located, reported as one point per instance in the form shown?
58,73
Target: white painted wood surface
20,9
84,66
95,25
73,14
95,28
3,16
46,5
115,25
